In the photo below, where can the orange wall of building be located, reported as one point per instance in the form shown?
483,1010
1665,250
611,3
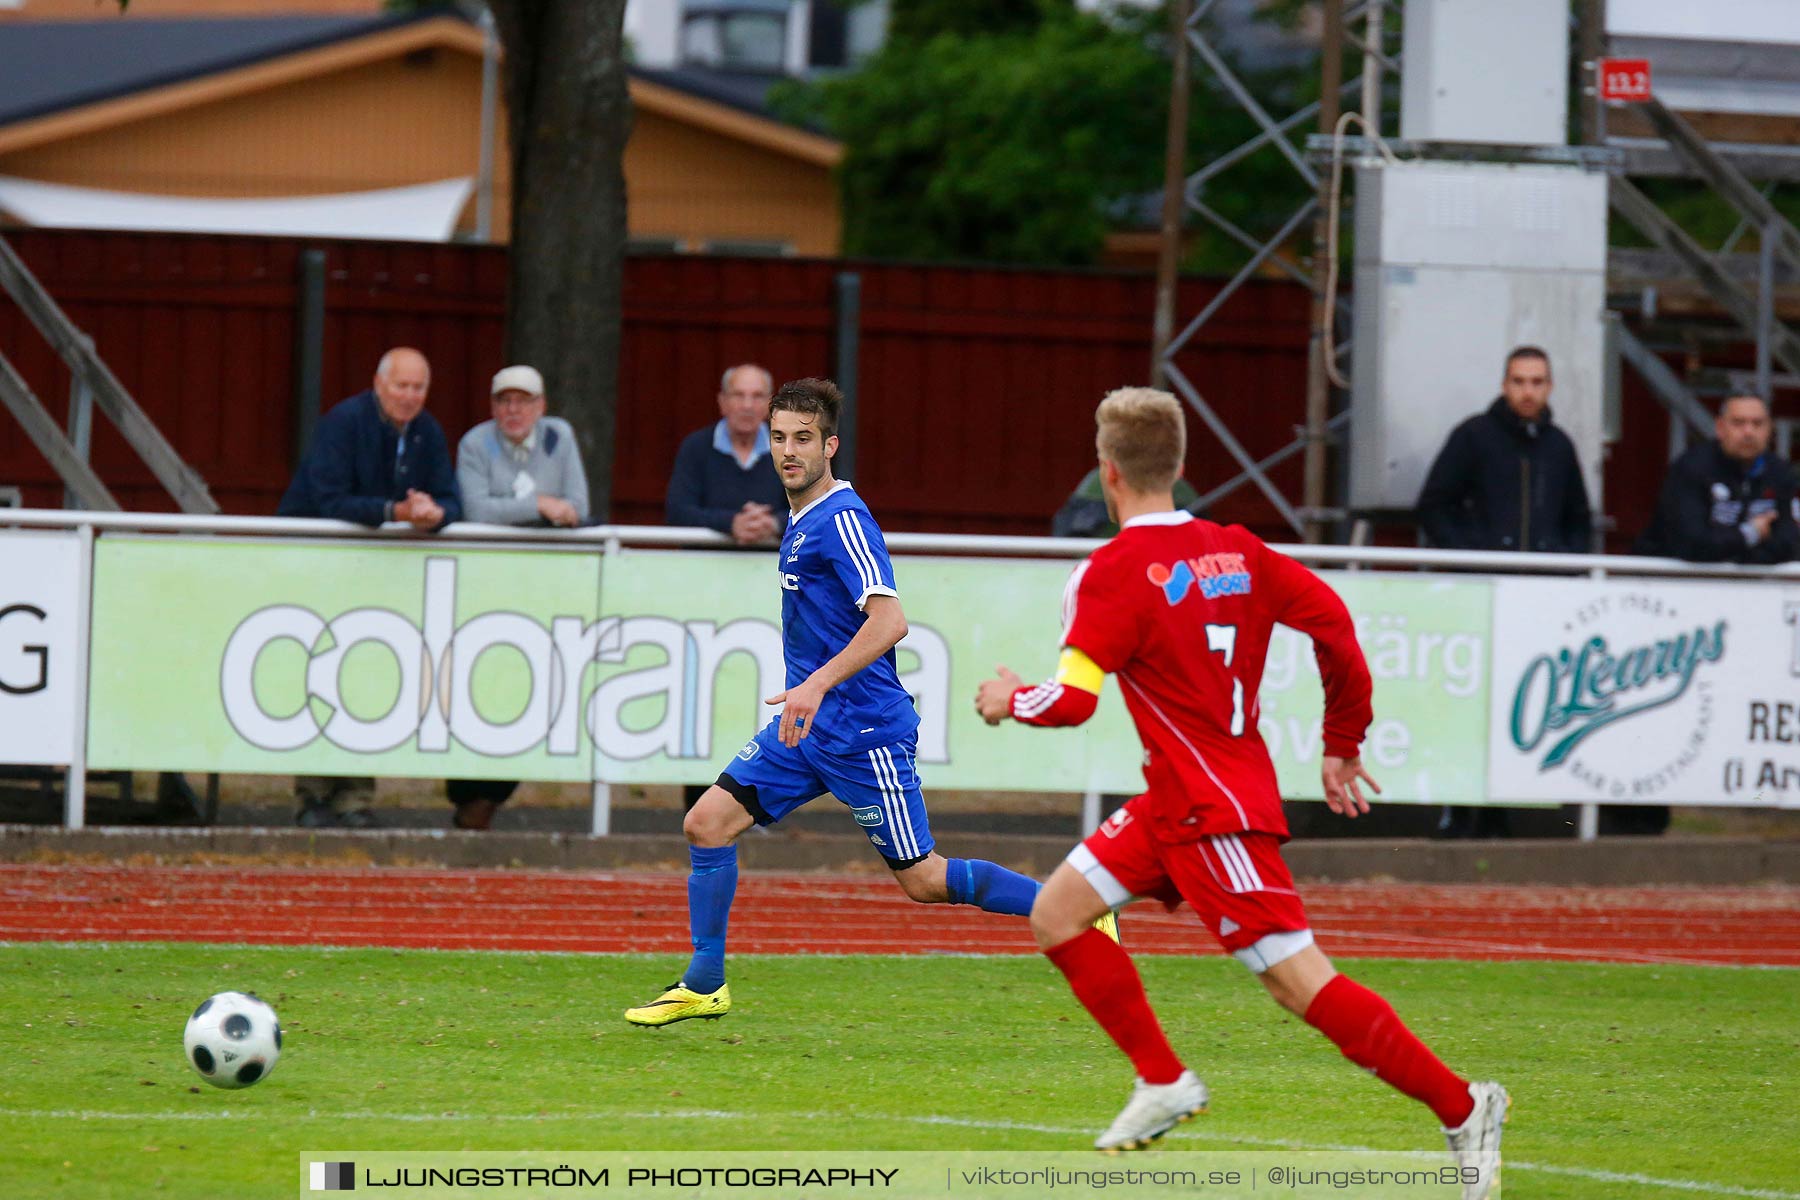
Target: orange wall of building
416,119
691,183
399,121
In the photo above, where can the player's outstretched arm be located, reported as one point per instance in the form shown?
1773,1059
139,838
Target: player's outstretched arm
1344,778
881,631
1305,602
1067,698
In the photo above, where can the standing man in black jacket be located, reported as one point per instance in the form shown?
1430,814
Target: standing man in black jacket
1728,500
1508,478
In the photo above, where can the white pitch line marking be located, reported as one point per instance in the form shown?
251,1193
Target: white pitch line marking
1188,1133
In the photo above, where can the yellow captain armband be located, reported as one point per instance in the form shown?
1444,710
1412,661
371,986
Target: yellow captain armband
1075,669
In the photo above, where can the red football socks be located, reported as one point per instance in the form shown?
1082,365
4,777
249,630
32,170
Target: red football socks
1107,984
1366,1029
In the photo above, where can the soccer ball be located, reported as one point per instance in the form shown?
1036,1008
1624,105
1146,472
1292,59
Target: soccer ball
233,1039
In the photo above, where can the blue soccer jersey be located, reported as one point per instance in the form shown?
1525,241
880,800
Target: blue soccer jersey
833,558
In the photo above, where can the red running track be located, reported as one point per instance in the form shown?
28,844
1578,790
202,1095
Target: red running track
840,914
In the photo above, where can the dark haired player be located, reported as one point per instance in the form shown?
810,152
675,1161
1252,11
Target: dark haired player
847,726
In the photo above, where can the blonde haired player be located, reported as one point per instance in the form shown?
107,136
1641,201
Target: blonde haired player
1181,610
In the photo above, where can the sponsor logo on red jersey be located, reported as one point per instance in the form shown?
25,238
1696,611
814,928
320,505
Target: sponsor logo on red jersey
1212,575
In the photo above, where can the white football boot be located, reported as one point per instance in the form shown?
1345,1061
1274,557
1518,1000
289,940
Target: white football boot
1476,1142
1153,1110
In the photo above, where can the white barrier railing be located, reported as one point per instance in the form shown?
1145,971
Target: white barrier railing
1583,643
602,536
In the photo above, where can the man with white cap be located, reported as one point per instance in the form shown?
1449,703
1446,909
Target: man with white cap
521,467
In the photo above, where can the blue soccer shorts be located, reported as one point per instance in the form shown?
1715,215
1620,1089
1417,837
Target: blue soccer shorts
880,787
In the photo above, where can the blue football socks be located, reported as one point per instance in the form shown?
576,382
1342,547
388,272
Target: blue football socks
990,886
711,886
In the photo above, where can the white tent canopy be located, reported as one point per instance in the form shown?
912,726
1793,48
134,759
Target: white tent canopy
421,212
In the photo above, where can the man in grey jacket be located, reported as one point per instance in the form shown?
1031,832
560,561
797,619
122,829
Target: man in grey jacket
520,468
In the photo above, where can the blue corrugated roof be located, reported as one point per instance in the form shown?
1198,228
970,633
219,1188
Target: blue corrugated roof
50,66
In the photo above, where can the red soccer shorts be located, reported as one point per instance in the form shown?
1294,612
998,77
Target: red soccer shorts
1236,882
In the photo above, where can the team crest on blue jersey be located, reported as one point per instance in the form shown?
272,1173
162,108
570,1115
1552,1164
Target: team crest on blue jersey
1212,575
794,550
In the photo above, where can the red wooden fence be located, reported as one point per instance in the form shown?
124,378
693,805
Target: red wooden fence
977,385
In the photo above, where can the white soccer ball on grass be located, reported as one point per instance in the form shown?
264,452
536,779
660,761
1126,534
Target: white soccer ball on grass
233,1040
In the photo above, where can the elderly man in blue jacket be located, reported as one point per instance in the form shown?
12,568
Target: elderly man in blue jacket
376,457
379,456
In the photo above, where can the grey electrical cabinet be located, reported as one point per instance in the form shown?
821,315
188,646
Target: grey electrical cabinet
1486,71
1457,263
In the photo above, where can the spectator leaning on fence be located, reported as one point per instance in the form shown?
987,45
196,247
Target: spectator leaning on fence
1506,479
378,456
723,477
518,468
1728,500
521,467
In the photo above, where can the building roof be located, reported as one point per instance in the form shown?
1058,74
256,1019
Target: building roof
52,66
746,91
64,74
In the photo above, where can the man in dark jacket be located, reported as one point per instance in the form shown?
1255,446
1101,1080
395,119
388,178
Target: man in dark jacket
1728,500
379,456
1508,478
723,477
376,457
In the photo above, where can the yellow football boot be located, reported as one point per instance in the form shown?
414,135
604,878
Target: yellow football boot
680,1003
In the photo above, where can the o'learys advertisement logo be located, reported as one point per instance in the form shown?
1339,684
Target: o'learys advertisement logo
1592,684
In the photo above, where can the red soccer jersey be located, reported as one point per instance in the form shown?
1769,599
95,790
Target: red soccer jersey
1181,611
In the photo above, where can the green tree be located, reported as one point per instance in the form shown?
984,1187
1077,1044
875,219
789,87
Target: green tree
914,21
992,146
1021,130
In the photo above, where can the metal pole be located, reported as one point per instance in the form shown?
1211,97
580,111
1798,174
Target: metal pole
81,426
602,818
309,348
1591,35
1318,389
490,89
75,785
846,359
1168,255
1587,826
1375,25
1765,308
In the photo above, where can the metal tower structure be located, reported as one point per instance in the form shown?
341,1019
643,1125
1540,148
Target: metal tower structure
1369,17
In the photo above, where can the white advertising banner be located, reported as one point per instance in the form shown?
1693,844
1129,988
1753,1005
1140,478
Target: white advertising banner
1645,692
38,631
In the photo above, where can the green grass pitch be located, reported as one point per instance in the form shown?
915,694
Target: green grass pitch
1627,1081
